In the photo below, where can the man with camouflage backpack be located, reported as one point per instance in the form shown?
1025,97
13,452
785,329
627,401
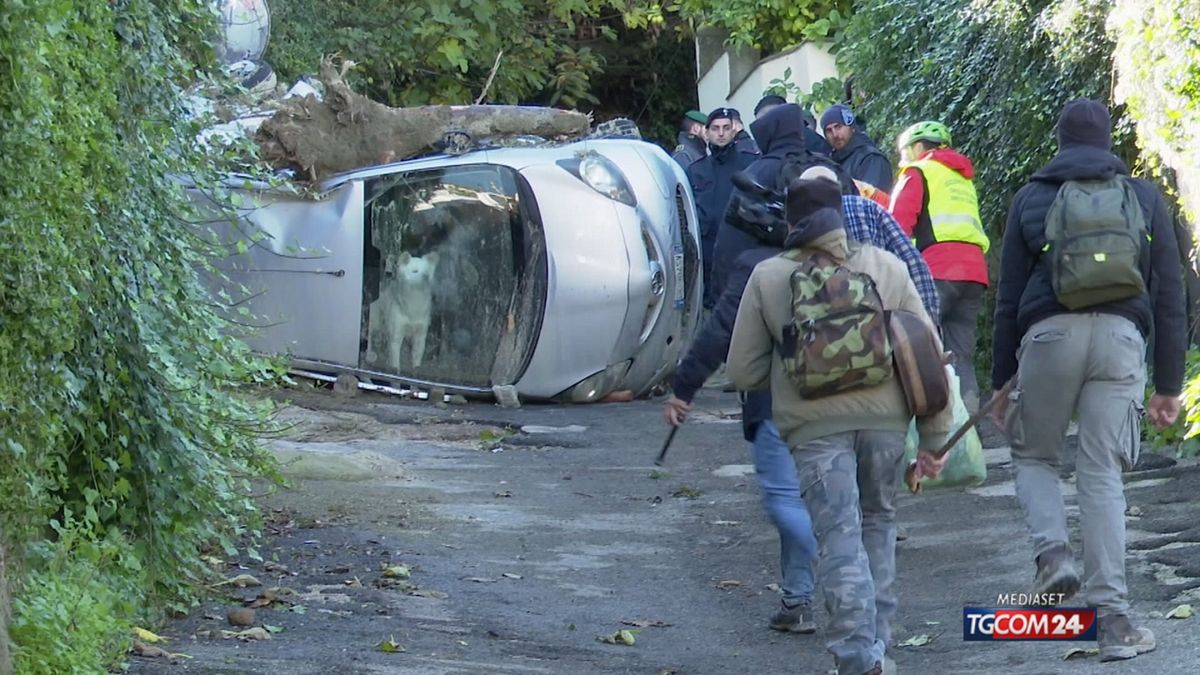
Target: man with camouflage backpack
1089,270
811,328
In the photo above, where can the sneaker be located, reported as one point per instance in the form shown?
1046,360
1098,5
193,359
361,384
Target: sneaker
796,619
1120,639
901,532
1056,573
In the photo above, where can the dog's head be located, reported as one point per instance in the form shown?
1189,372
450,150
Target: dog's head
416,270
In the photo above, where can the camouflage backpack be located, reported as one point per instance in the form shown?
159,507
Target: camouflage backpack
837,339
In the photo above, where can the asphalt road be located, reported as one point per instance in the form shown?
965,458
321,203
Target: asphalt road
525,547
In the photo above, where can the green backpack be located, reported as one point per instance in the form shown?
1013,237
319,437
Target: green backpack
837,338
1096,235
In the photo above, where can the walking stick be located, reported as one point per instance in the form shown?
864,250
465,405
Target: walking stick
662,454
910,473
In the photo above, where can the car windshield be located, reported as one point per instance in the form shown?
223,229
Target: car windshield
447,291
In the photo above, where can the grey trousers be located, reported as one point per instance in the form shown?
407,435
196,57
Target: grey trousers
850,482
961,302
1091,364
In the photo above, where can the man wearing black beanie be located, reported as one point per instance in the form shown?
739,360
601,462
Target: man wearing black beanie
1089,270
848,446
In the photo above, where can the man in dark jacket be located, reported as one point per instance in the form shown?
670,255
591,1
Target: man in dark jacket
691,145
813,141
711,186
779,135
1089,362
865,222
854,149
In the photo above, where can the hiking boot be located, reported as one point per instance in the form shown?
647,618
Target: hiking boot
794,619
1120,639
1056,573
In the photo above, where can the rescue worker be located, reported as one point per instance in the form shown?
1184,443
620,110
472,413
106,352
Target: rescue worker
935,202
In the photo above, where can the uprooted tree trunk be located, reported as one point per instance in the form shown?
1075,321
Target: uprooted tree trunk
347,130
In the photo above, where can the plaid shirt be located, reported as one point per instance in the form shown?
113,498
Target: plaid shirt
870,223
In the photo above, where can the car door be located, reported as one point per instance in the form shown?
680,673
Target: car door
454,276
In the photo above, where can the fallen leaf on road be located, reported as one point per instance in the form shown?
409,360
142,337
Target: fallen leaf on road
687,492
151,652
655,474
916,641
272,629
621,637
213,561
422,593
397,572
146,636
1079,653
256,633
264,599
462,642
398,584
275,567
353,583
479,580
390,646
775,587
726,522
645,623
1181,612
241,581
510,575
728,584
298,609
504,493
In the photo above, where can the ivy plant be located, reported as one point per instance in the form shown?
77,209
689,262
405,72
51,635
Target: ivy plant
121,421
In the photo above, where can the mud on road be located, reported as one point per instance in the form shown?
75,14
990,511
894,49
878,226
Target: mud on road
470,539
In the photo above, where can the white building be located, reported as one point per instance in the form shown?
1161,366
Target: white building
737,78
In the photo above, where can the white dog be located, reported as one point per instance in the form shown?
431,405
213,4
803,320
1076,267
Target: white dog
405,305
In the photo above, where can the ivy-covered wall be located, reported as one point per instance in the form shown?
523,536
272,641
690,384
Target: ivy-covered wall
997,72
122,448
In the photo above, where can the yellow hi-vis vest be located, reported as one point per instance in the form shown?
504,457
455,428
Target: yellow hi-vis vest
953,207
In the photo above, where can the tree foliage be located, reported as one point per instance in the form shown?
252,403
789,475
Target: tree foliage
121,446
552,52
1157,60
769,25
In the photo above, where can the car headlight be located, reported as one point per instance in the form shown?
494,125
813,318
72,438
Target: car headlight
602,175
598,385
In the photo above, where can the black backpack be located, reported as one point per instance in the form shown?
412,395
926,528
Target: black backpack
796,163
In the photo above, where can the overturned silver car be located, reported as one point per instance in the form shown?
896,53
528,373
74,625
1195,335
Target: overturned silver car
564,272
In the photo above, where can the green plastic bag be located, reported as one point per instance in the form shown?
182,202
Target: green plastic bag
966,466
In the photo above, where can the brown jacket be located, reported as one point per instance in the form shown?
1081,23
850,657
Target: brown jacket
754,362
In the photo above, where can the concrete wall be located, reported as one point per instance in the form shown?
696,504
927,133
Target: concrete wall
738,79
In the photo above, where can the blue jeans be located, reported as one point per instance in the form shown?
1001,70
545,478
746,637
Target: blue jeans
785,507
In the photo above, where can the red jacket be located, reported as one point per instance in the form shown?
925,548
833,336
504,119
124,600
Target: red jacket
948,261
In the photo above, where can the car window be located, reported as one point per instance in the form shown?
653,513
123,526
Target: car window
442,267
